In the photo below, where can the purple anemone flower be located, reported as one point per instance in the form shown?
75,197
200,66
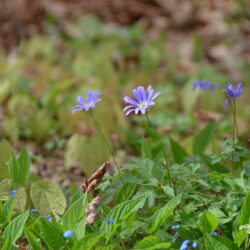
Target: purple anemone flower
144,99
233,93
86,105
204,85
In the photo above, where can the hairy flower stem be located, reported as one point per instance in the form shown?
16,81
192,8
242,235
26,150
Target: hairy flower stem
235,127
165,153
107,143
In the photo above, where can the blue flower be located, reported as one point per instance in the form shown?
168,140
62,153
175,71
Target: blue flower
195,244
68,234
13,193
185,244
35,211
109,220
48,218
144,99
176,227
233,93
93,98
214,233
205,84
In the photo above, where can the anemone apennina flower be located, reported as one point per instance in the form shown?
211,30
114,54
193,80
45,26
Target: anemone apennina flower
143,100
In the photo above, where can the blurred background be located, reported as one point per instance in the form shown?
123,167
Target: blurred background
53,51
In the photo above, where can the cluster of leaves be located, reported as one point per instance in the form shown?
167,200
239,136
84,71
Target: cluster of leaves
138,206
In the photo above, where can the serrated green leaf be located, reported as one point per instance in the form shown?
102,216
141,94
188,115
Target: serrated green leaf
162,214
15,229
126,192
47,197
202,140
207,223
121,212
151,243
212,244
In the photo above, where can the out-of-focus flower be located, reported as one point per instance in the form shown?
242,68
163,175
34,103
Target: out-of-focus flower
185,244
214,233
13,193
233,93
109,220
48,218
226,104
144,99
86,105
35,211
195,244
68,234
176,227
204,85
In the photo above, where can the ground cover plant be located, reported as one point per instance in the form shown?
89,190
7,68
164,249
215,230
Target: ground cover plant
109,142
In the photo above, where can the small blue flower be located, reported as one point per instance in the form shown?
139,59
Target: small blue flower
214,233
93,98
144,99
195,244
35,211
48,218
185,244
13,193
204,85
233,93
176,227
109,220
68,234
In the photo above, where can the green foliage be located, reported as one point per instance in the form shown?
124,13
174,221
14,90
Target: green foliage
202,140
47,197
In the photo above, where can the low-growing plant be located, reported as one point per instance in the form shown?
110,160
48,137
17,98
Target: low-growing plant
169,198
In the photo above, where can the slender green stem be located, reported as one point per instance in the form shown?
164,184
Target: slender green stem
106,142
247,242
235,127
165,153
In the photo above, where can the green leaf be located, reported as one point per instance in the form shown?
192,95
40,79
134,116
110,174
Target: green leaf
244,219
15,229
80,227
178,152
89,241
33,240
212,244
5,151
52,236
207,223
126,192
162,214
151,243
121,212
24,164
47,197
75,212
20,200
202,140
14,170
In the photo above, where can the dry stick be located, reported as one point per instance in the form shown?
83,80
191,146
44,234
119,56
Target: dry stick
167,166
107,143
